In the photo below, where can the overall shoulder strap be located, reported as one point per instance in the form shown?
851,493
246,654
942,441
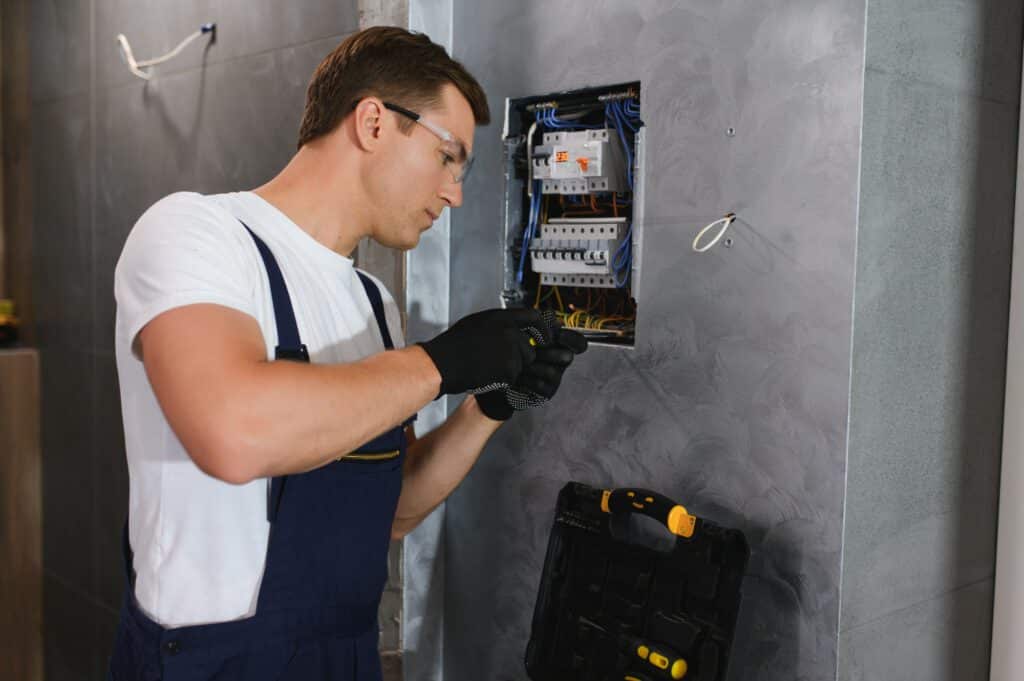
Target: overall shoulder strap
289,345
377,303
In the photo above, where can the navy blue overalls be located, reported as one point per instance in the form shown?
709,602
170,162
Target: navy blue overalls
316,614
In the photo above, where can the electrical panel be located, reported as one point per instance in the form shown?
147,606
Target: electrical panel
573,207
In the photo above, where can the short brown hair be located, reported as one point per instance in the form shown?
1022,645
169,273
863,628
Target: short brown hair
387,62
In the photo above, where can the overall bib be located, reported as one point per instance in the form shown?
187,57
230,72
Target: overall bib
326,565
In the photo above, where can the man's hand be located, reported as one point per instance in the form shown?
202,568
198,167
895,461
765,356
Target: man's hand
483,348
543,376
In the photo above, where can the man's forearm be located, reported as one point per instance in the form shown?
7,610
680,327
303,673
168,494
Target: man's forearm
438,462
241,417
327,411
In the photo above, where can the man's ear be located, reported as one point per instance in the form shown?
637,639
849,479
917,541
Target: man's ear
369,122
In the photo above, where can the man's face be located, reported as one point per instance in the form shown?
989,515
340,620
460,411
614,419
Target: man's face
412,181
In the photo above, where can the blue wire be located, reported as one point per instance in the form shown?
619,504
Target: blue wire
551,120
631,110
630,120
531,228
626,119
525,247
622,261
609,108
622,116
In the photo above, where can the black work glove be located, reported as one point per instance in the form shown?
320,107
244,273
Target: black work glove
540,379
482,349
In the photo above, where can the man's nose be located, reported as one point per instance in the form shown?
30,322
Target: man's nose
451,192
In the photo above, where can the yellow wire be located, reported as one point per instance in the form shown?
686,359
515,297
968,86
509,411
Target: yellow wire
583,318
571,318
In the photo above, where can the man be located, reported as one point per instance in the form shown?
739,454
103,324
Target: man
267,393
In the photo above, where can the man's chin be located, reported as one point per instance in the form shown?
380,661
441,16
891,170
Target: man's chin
406,242
412,242
414,238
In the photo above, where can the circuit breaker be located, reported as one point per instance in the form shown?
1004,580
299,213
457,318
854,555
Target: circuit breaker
573,208
577,251
581,162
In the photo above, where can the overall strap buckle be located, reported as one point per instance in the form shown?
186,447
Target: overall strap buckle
299,354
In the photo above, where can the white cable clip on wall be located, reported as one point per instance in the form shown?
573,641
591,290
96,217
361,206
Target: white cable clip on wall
137,66
724,222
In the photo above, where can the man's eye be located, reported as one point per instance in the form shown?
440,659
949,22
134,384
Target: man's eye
447,158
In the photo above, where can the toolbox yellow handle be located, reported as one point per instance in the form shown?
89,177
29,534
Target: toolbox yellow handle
674,516
663,658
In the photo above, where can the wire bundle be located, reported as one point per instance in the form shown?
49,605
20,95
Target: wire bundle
586,321
549,118
586,318
531,230
624,114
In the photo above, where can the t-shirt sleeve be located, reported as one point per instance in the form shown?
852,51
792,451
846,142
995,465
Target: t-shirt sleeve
182,251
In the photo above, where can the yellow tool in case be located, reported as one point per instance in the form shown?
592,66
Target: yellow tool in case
612,608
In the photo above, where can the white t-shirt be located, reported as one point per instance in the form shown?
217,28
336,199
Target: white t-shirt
200,543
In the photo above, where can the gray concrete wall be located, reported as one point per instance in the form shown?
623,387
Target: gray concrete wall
106,146
941,104
735,398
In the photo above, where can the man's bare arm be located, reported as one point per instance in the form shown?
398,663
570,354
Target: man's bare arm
241,417
438,462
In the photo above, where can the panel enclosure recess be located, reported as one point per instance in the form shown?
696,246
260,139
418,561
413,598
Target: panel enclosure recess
572,208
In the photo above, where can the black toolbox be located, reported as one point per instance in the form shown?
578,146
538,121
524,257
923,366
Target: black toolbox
609,608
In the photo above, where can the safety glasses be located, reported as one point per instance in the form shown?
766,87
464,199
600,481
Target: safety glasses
456,160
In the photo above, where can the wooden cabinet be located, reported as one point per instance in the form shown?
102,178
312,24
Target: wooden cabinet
21,510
